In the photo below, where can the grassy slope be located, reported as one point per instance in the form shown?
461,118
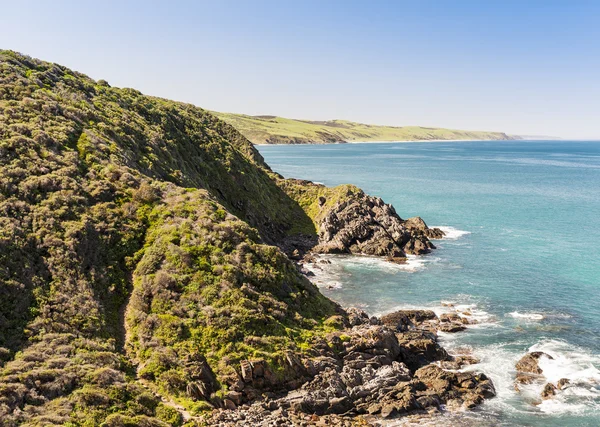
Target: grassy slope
112,199
279,130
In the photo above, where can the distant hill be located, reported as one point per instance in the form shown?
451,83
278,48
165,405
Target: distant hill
279,130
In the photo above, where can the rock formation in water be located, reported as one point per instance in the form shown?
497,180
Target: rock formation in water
528,369
348,221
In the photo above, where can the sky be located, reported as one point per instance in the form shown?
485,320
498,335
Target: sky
521,67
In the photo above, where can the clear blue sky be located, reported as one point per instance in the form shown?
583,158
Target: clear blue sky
525,67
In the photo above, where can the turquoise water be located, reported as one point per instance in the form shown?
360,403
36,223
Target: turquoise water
523,257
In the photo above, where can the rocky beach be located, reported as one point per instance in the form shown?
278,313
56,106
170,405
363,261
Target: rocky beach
374,369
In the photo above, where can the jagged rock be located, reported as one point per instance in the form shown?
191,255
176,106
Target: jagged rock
374,340
548,391
471,388
428,401
364,374
388,410
246,369
451,327
357,317
362,224
419,348
397,320
562,383
374,408
456,362
403,320
417,224
450,317
418,317
528,369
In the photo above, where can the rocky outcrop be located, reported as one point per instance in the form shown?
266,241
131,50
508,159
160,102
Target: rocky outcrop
549,391
363,224
418,226
376,367
405,320
528,369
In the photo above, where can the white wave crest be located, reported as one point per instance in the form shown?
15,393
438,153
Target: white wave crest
451,233
527,316
578,365
329,270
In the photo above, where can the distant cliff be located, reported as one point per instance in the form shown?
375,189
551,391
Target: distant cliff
279,130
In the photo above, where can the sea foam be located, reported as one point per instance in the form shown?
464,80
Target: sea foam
578,365
452,233
527,316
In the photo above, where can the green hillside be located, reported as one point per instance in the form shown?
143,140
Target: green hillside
145,262
136,256
279,130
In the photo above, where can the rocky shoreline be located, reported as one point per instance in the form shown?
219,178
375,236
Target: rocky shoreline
371,369
376,369
361,224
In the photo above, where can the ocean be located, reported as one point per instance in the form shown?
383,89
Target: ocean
521,255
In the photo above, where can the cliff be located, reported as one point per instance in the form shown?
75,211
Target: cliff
281,130
143,264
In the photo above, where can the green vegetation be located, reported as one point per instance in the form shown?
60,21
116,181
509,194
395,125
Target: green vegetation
279,130
316,200
136,254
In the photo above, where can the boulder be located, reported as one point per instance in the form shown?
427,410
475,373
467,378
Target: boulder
450,317
528,369
451,327
456,362
419,348
403,320
357,317
228,404
246,371
548,391
417,224
398,321
466,387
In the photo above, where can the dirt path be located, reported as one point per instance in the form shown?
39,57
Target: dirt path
167,401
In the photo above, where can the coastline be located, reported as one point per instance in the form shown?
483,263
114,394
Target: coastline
387,142
429,140
376,370
425,363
